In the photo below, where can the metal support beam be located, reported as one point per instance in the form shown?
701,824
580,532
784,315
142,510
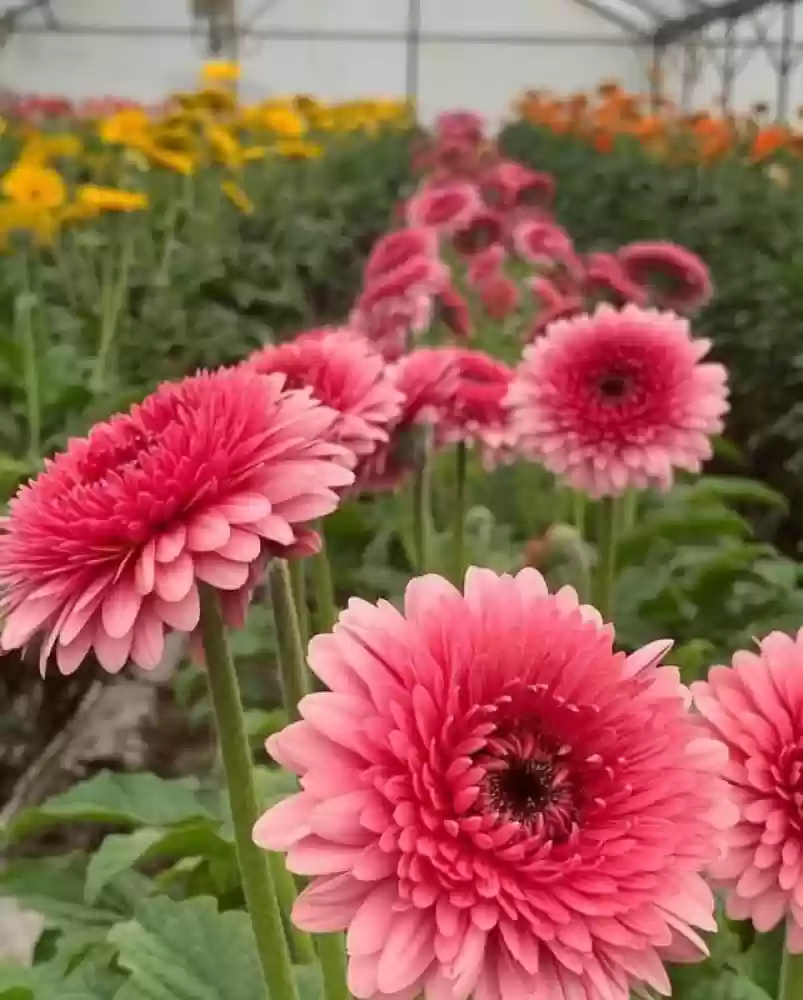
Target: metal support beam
677,28
412,51
613,17
786,62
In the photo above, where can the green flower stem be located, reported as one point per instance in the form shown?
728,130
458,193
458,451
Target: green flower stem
112,298
298,578
323,588
422,509
23,309
292,663
459,514
302,948
605,573
629,510
791,987
260,896
332,954
579,507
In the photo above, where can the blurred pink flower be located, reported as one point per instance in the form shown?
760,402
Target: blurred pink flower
343,372
674,277
756,708
445,207
499,296
485,265
606,279
453,311
546,245
476,412
507,184
482,231
104,550
397,249
495,803
618,399
551,304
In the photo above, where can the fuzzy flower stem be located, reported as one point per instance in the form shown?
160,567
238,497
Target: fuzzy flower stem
302,948
628,510
260,896
323,589
332,955
605,574
459,514
578,516
292,664
298,577
791,987
113,300
422,509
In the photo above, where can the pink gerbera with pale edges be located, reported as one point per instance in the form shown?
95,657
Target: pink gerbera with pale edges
105,549
671,275
756,708
618,399
345,373
496,803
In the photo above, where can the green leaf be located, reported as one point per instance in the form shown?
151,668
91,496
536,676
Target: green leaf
188,951
734,490
121,799
54,887
119,852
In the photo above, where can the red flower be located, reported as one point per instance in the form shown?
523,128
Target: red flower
495,803
446,207
674,277
104,550
485,265
417,275
465,125
397,249
547,245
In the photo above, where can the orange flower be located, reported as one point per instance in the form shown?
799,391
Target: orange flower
768,142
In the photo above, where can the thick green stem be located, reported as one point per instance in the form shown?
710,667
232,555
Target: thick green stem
113,297
298,578
579,507
292,662
33,408
422,509
260,896
332,954
302,948
791,987
459,514
605,573
323,588
628,510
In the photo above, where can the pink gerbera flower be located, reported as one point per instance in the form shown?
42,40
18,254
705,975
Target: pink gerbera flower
345,373
494,802
105,549
606,279
618,399
398,248
476,411
675,277
756,708
427,379
445,207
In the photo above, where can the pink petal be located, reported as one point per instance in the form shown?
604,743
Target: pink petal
120,609
174,579
208,532
285,823
221,573
112,651
245,508
182,615
171,544
148,645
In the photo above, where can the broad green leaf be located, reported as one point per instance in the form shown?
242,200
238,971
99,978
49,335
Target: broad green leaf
734,490
188,951
679,527
119,852
131,800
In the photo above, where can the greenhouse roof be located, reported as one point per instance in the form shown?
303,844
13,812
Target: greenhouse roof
666,21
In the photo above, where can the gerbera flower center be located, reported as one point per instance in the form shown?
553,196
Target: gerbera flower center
522,789
615,385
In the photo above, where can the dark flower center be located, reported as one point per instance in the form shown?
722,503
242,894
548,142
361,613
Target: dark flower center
523,789
614,386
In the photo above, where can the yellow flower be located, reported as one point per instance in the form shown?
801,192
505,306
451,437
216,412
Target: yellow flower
111,199
127,127
77,211
237,197
225,148
182,163
220,71
178,138
39,222
299,149
283,121
215,99
34,186
41,148
251,153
